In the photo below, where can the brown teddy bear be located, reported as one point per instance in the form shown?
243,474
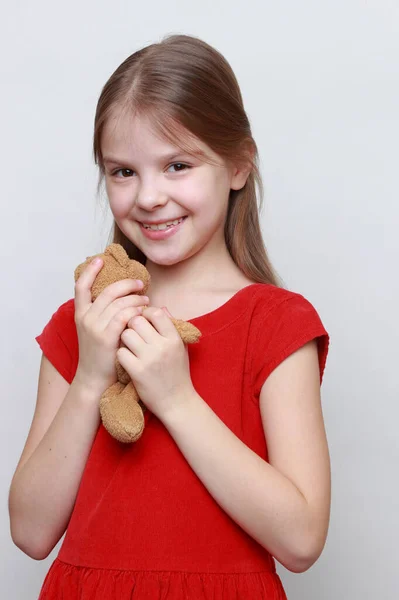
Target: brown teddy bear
121,410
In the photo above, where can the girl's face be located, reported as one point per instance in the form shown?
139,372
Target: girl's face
150,181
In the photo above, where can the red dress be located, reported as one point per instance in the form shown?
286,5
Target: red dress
144,527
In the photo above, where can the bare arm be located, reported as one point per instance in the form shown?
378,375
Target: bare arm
44,487
46,480
283,504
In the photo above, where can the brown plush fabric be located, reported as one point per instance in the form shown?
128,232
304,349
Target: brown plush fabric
121,412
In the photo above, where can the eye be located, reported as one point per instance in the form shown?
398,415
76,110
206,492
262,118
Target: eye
127,173
122,171
185,167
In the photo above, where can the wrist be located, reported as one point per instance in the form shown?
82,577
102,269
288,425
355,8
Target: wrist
183,406
86,388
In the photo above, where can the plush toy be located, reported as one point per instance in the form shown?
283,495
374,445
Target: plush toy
121,410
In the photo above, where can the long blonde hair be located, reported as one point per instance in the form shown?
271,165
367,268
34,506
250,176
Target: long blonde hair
183,82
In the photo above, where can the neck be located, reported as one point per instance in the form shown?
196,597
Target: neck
203,271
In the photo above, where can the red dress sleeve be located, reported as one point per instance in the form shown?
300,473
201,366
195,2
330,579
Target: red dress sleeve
284,329
59,341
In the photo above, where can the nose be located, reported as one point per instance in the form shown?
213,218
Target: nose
150,196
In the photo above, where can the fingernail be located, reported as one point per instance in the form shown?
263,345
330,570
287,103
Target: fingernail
96,261
167,312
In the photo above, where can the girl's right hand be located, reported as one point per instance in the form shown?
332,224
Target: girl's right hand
100,325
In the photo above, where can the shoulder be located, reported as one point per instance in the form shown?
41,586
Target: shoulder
59,340
63,319
282,321
271,300
66,309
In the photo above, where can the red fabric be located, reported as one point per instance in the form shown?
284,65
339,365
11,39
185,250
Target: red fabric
144,526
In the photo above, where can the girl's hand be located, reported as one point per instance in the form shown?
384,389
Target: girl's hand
156,360
100,323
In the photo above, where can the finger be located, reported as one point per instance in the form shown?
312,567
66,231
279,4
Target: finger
83,286
115,291
134,341
144,328
119,322
160,321
113,309
126,358
167,312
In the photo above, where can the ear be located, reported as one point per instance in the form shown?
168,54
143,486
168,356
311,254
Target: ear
241,171
239,178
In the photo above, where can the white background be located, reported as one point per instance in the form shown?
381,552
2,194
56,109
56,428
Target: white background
320,85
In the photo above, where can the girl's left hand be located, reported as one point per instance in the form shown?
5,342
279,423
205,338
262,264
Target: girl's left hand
156,359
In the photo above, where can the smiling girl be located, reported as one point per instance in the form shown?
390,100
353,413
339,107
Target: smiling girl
232,471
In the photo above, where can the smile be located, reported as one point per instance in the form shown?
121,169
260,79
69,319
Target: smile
162,231
162,226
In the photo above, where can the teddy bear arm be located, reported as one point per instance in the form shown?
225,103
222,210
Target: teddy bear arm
187,331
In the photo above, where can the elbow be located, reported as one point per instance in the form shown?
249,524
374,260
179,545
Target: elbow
303,557
35,552
34,548
300,564
306,546
30,538
32,545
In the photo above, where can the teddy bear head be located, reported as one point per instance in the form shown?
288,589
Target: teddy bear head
116,266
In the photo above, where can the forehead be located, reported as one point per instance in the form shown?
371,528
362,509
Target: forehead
129,134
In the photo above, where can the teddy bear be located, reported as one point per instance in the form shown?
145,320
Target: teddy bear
122,412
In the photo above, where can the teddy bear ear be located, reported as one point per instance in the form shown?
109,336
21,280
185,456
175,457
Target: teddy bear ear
137,270
119,254
132,268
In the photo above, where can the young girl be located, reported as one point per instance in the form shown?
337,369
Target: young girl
232,470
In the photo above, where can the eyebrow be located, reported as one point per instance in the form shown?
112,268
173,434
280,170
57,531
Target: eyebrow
112,160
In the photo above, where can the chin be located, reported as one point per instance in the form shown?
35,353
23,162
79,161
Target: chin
165,261
169,259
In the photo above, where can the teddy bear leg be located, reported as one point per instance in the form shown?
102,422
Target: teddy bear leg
121,414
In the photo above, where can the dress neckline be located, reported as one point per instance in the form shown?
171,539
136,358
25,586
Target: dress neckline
225,313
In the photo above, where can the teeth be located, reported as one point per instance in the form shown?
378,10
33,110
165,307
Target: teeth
163,225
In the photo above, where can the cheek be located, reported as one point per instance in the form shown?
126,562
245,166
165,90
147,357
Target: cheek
196,193
210,192
119,202
222,182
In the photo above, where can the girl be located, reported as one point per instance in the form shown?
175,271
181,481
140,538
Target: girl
232,470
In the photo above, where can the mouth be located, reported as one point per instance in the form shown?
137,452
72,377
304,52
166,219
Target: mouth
162,231
162,225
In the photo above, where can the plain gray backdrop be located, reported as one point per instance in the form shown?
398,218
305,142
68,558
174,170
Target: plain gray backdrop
320,85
